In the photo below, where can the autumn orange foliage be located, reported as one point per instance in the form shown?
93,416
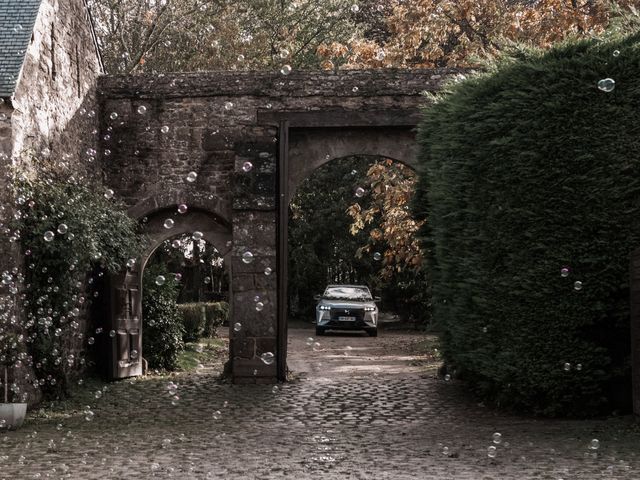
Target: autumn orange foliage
439,33
391,188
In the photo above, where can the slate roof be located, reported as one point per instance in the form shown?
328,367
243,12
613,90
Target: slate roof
17,18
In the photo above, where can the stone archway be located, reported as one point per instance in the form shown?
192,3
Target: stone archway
251,137
125,316
309,149
307,140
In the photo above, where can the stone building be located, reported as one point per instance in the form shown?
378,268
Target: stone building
49,66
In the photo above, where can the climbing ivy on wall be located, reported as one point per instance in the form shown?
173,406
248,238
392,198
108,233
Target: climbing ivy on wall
70,230
529,186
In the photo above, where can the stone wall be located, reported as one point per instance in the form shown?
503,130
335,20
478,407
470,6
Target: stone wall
55,96
53,111
157,129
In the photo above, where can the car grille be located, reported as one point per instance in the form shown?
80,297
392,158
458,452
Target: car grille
347,312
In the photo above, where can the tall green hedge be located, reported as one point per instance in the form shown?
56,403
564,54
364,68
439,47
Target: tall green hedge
526,169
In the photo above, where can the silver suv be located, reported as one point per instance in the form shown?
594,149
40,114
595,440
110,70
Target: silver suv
347,307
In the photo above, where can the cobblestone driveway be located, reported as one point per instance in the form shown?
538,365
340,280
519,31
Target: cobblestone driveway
346,417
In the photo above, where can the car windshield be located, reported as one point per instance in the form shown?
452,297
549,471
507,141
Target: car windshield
347,293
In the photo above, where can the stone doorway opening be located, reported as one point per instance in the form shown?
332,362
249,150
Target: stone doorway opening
185,300
339,220
193,227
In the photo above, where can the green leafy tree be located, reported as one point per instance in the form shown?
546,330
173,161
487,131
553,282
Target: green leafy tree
321,249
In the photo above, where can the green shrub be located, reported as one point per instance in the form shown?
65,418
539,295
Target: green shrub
527,169
193,320
68,229
217,313
162,330
202,319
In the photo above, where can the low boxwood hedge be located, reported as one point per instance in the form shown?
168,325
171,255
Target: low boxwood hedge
202,319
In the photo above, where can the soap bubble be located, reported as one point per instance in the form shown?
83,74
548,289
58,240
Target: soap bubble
113,115
497,438
131,262
91,340
577,285
62,228
237,327
165,129
285,70
197,236
267,358
175,243
564,272
355,8
168,223
134,354
228,105
112,333
108,194
594,444
447,377
247,257
142,109
377,256
566,366
160,280
607,84
192,177
492,452
49,236
579,367
355,89
182,208
240,58
359,192
616,53
247,167
259,306
309,341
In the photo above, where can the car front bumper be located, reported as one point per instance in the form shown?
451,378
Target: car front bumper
330,320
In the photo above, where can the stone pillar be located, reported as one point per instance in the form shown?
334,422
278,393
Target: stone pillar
254,293
634,290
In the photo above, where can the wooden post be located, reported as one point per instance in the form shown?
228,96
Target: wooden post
634,293
282,245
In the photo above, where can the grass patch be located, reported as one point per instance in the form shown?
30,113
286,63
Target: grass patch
203,352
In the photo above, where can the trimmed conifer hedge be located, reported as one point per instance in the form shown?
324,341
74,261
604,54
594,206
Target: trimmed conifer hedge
525,170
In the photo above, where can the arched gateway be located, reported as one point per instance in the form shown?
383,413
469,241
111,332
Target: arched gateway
251,138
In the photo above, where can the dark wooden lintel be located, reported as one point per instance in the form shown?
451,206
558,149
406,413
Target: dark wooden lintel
342,118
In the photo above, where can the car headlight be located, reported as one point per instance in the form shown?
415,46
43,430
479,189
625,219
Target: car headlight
369,309
324,307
